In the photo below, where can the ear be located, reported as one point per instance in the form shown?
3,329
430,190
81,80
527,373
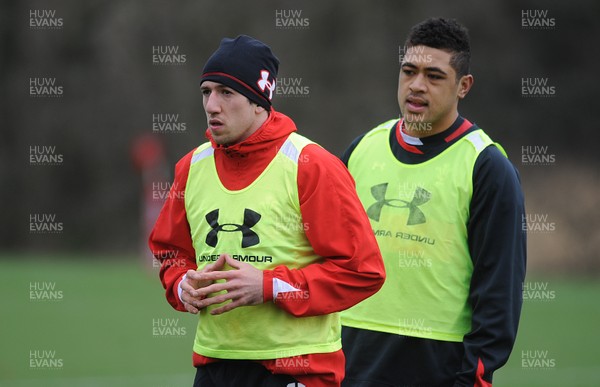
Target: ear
464,85
258,109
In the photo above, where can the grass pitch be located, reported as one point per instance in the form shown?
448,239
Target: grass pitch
69,321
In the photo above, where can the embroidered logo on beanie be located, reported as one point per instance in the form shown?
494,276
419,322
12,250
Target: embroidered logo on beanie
264,83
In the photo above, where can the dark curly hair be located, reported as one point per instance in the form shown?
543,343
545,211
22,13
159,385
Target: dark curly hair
447,35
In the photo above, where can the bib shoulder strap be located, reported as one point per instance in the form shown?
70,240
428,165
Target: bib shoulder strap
480,140
293,145
203,151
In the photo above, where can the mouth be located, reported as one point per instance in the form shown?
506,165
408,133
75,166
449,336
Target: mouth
215,124
416,104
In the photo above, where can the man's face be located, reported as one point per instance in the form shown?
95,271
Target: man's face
428,91
230,115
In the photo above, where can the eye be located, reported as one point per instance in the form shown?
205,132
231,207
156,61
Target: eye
435,77
227,92
407,72
205,92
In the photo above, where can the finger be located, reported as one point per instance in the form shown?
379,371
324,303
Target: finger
218,275
193,275
193,302
232,262
226,308
217,265
190,308
220,263
213,300
186,298
186,287
214,288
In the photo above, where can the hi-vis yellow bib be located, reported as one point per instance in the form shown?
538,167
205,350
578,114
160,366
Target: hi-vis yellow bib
419,214
261,225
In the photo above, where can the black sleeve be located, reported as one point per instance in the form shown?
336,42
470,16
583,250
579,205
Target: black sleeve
346,156
497,244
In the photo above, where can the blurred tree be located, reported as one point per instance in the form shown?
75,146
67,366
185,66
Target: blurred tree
346,54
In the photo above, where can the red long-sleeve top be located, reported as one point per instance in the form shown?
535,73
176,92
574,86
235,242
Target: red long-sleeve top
339,232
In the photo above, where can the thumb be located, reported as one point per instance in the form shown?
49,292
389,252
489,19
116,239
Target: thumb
232,262
220,263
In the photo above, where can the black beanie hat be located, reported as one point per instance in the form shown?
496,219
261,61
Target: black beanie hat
246,65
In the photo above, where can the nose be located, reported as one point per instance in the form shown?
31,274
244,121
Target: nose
211,103
417,84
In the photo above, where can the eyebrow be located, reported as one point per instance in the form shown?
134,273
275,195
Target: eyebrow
430,68
217,87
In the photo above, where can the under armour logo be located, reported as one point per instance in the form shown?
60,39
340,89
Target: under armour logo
249,237
264,83
415,215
